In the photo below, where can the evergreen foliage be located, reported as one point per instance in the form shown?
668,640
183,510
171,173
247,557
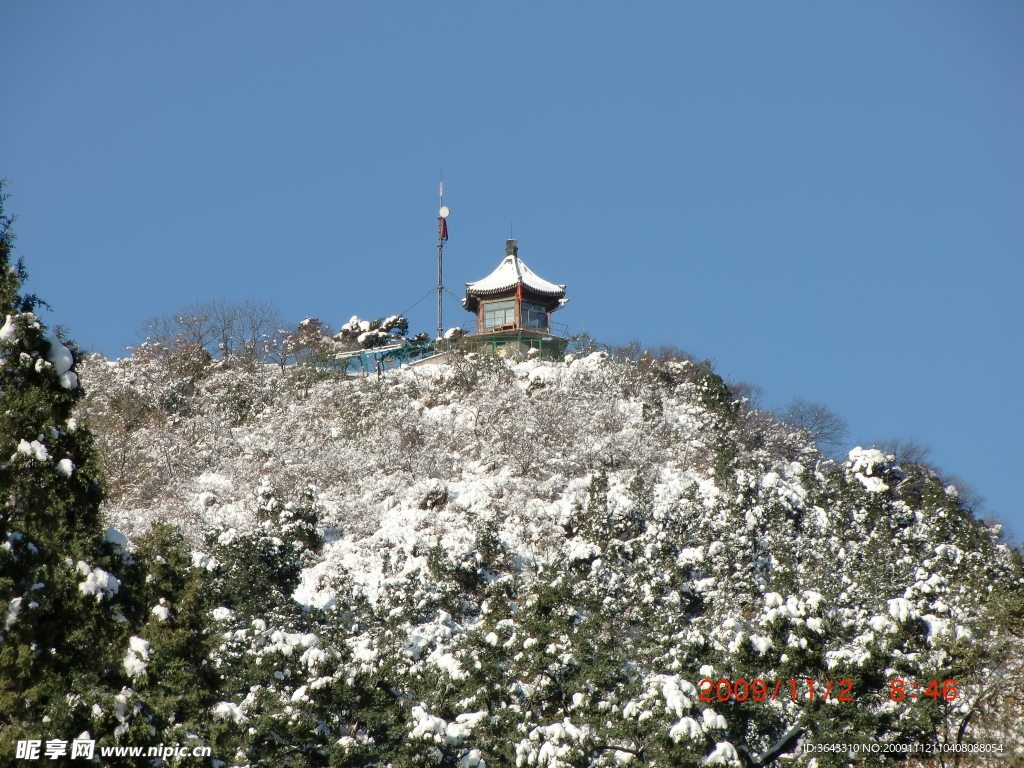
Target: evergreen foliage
368,334
59,585
94,641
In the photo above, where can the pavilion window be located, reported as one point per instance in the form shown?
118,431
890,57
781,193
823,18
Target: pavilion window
534,316
499,313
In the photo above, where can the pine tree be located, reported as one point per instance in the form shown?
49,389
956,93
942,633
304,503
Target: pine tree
83,653
60,625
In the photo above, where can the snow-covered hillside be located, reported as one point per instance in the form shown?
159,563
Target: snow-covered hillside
537,563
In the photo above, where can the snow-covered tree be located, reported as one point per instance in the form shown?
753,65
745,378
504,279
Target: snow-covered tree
245,331
93,639
61,624
310,340
373,333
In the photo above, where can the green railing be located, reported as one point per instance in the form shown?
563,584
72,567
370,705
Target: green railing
392,356
553,346
376,359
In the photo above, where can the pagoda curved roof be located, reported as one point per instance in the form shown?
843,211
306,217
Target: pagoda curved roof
510,273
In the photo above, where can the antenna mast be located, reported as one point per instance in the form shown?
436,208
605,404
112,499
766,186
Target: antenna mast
442,236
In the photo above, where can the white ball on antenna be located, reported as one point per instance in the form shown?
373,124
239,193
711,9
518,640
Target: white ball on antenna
444,212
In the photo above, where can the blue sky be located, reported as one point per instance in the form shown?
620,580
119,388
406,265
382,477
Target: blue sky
827,199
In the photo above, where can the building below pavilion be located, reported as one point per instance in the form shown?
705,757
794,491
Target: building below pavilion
513,309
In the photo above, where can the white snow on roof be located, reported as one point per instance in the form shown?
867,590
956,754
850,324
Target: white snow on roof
510,273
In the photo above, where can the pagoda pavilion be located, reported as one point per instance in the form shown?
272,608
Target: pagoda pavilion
513,309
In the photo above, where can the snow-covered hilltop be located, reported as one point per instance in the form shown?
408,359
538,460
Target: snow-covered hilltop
476,562
537,563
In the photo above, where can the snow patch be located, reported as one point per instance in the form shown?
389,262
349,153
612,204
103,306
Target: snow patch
97,582
226,710
687,728
13,609
902,609
59,356
865,459
9,333
713,720
871,484
35,450
137,656
724,754
203,560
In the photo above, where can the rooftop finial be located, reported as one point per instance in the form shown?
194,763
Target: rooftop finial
510,248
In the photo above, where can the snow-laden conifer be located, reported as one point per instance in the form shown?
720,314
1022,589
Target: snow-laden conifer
94,639
60,585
